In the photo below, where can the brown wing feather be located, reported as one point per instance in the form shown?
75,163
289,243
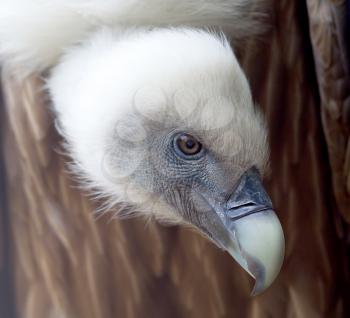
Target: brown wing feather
327,21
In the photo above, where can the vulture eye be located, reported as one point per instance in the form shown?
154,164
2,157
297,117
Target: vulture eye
187,145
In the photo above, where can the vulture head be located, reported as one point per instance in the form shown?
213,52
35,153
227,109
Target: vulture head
160,119
164,121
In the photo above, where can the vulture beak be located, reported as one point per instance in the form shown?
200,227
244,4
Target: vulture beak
254,235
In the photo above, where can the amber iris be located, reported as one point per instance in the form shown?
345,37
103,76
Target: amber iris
188,145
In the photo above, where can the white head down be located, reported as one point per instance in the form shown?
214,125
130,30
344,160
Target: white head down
162,119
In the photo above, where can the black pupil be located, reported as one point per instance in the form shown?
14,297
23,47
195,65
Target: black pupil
188,144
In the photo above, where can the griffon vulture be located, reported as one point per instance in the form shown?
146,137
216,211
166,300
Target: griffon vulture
156,112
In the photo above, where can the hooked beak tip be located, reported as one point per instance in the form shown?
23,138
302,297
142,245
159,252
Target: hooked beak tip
258,246
247,227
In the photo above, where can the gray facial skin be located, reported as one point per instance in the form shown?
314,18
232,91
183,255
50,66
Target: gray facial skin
221,198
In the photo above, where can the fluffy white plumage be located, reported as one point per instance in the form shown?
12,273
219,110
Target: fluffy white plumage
154,71
34,33
105,54
156,111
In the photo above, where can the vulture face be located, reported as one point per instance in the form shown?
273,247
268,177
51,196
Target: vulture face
163,120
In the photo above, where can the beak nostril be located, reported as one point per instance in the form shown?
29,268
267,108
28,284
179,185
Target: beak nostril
233,206
249,194
245,210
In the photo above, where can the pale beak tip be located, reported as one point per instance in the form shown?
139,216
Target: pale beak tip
261,246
